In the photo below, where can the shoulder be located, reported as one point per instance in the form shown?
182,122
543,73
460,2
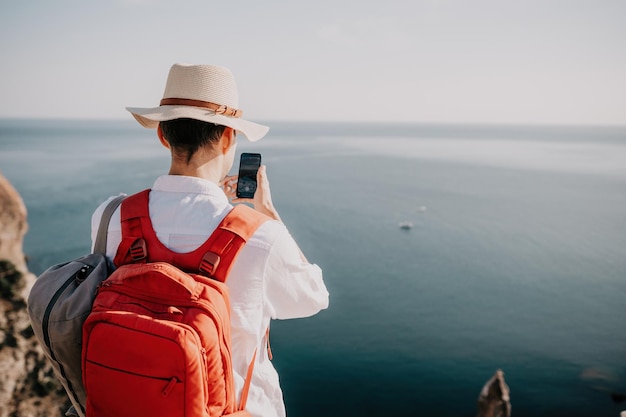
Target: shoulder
99,211
258,229
268,233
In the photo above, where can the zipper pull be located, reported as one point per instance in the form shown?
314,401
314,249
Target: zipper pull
82,273
101,286
170,385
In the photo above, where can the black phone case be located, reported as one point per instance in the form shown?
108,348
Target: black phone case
246,184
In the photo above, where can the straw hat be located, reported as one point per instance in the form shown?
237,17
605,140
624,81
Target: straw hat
201,92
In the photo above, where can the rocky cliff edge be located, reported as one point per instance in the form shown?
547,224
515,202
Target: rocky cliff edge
28,387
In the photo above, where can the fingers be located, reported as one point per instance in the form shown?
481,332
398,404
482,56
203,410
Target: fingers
263,198
229,179
229,185
260,175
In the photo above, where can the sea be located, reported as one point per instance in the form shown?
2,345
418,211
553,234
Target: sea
450,251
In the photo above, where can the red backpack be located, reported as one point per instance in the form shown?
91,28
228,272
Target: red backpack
157,342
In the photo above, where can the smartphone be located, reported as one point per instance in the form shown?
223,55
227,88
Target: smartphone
248,166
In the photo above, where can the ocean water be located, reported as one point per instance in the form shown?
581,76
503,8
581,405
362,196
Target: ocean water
516,259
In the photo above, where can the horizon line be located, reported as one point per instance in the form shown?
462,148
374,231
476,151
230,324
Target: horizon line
346,122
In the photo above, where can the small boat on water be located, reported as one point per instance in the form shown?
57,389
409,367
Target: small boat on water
406,225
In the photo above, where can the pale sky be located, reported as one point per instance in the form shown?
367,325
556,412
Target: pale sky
457,61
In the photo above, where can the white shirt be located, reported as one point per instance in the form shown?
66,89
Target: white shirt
269,279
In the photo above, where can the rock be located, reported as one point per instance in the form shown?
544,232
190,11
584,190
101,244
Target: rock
494,399
13,225
28,387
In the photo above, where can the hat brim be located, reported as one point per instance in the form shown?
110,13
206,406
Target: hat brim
150,118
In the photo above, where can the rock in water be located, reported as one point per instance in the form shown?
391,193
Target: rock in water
494,399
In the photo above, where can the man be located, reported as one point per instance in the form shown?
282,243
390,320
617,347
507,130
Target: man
198,121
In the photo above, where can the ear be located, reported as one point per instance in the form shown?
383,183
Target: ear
164,141
227,140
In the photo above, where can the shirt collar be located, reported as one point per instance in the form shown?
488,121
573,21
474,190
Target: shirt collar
183,184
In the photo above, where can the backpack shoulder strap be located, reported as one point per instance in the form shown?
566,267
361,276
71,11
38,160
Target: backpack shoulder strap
133,208
100,246
223,246
214,258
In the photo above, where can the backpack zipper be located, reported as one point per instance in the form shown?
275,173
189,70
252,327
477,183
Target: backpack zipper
169,386
194,302
111,286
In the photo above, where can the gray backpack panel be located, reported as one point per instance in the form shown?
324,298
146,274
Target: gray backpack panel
58,305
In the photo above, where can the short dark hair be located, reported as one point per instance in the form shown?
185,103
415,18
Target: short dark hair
186,136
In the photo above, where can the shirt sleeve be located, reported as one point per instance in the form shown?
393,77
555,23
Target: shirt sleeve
293,287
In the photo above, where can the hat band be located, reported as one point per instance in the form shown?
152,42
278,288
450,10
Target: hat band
217,108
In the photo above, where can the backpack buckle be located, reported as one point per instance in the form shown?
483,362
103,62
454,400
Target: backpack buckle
138,250
209,263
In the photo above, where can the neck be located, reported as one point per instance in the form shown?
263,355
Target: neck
210,169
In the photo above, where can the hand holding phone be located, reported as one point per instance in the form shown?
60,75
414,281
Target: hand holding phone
249,164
